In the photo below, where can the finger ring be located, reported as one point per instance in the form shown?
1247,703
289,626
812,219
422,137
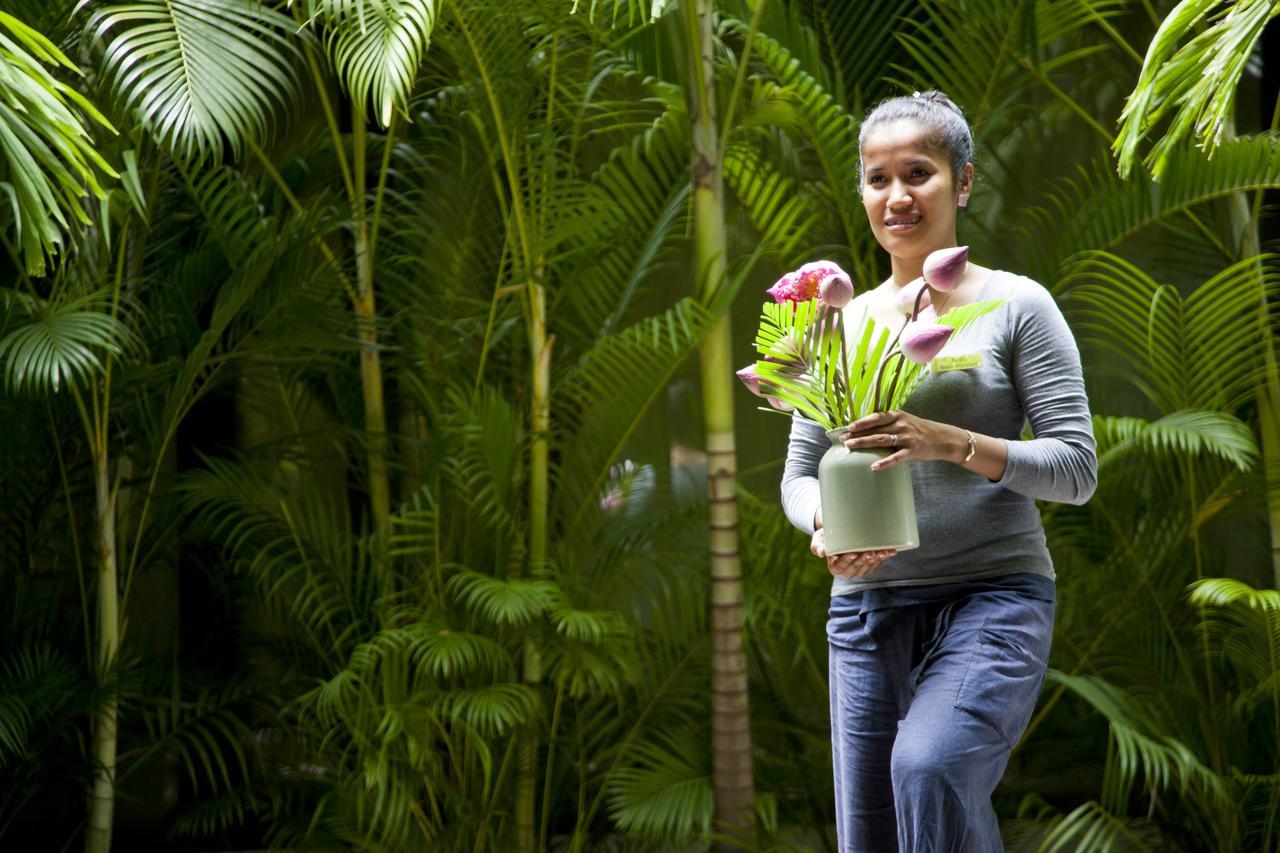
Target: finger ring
894,440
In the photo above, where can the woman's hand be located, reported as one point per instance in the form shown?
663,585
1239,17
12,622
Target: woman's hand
847,565
912,437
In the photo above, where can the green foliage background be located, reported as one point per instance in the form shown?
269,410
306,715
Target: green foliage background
189,325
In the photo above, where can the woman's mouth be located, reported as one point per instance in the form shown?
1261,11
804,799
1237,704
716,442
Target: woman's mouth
901,223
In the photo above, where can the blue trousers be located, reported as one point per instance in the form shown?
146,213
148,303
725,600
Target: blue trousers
931,687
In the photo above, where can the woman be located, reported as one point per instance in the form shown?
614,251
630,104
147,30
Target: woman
937,654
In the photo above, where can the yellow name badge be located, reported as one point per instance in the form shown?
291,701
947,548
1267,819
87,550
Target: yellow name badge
943,363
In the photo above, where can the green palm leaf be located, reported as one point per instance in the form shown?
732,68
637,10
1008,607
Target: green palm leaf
833,142
1142,749
641,198
1091,827
1229,592
198,73
376,47
609,391
860,38
48,159
514,601
1197,81
783,215
493,709
1202,351
207,733
1100,210
665,795
976,52
62,342
1190,433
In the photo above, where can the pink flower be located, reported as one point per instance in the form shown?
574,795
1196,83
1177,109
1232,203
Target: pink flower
906,300
922,341
832,283
751,379
815,274
779,405
944,268
756,385
790,288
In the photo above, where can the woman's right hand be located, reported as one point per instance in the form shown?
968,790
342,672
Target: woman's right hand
854,565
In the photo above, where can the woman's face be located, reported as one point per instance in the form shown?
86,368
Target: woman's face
908,190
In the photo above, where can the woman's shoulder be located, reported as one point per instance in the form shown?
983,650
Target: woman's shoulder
1021,291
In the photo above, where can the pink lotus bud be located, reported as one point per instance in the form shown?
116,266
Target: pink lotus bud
906,300
927,315
944,268
751,379
921,342
836,290
779,405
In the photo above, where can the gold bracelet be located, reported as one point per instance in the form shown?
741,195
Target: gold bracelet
973,447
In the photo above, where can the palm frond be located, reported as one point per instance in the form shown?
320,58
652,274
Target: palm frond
665,794
628,369
50,162
860,39
976,53
493,709
376,47
208,734
1197,81
1099,210
38,681
60,341
1229,592
1188,433
513,601
1142,749
1090,827
1202,351
641,195
782,214
830,131
167,61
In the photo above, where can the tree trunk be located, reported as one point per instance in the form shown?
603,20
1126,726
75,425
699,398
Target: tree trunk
102,788
539,423
730,720
375,415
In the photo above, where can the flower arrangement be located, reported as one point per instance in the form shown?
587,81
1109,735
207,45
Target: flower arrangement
832,371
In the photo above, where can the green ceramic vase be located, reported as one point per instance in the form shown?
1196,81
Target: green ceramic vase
865,510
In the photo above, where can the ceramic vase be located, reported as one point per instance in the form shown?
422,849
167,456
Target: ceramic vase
865,510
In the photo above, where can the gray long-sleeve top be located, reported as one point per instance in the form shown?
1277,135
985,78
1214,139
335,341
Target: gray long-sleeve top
971,527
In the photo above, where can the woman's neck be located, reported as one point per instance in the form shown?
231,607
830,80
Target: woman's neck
907,269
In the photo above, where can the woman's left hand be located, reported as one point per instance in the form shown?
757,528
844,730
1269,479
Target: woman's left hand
912,438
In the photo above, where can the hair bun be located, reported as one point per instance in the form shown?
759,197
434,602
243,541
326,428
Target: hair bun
939,97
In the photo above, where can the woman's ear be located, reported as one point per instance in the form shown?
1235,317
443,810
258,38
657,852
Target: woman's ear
964,186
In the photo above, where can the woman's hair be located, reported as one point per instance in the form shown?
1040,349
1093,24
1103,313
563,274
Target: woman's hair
943,121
